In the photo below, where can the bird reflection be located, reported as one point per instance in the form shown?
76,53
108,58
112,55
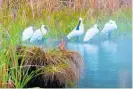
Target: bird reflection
109,46
91,56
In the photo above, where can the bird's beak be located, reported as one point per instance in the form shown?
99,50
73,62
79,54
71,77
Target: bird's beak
98,27
46,29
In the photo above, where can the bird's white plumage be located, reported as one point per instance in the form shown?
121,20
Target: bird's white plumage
75,32
38,34
27,33
91,33
109,27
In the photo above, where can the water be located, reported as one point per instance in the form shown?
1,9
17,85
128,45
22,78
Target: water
107,64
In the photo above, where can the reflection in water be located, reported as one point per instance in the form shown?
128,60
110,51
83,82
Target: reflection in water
76,47
91,65
124,75
109,50
89,53
109,46
103,63
91,56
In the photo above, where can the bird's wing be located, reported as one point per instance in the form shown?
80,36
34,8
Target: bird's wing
44,31
27,34
90,34
36,35
72,33
107,28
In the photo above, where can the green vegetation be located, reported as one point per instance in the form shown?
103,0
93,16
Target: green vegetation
31,64
59,21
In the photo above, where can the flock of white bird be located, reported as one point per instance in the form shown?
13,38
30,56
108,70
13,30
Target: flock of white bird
31,35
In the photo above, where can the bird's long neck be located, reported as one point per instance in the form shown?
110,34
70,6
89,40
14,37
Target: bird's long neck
43,29
96,27
77,28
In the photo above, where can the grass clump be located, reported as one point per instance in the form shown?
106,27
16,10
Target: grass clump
52,69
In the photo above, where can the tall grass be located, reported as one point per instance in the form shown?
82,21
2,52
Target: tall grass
60,16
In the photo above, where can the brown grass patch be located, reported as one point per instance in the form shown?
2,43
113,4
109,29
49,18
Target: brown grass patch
58,68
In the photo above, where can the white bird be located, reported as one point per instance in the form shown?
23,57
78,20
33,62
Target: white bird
27,33
91,33
78,30
39,34
109,27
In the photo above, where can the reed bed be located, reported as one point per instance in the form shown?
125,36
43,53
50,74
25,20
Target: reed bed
60,16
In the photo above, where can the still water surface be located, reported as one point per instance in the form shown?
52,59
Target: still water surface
107,64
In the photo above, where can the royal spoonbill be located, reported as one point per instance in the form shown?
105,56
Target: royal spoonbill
78,30
91,33
39,34
27,33
109,27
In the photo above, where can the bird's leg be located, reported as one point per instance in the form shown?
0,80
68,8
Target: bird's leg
26,42
44,39
44,42
109,35
39,42
77,39
91,41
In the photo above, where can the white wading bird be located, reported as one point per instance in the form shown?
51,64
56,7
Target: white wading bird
39,34
27,33
109,27
91,33
78,30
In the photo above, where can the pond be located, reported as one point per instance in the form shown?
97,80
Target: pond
107,63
